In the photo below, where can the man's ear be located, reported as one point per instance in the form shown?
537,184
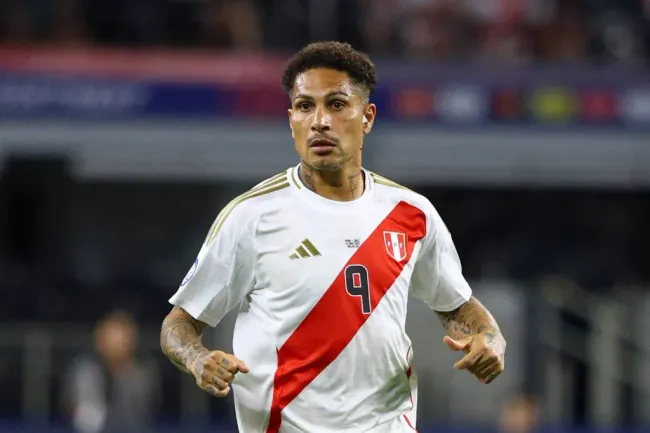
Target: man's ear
369,114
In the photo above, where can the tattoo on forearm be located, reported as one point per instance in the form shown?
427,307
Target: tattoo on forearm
471,318
180,339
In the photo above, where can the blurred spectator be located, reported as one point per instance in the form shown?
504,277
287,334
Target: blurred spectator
506,27
379,29
232,23
112,390
69,23
439,29
519,415
620,30
564,38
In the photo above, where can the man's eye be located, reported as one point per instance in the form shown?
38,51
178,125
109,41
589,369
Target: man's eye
337,105
304,106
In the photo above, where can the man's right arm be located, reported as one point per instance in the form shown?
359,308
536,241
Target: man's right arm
220,277
180,340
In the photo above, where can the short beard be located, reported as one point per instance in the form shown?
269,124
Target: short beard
331,166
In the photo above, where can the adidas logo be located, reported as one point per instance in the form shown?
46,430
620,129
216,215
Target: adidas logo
306,249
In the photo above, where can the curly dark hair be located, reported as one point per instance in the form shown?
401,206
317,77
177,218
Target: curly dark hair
332,55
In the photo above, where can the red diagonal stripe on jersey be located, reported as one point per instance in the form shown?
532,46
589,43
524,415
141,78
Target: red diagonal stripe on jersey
336,318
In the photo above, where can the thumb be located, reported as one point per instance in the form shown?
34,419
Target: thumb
456,345
241,365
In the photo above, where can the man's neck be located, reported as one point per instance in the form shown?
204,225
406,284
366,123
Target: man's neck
341,185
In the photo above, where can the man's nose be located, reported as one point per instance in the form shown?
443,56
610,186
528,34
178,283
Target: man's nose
322,121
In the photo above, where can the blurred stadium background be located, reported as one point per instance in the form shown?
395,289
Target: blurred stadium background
126,125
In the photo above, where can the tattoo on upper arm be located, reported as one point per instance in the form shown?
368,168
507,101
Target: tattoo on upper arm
180,338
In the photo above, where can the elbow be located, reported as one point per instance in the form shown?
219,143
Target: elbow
163,334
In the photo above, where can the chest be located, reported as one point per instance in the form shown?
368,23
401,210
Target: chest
352,260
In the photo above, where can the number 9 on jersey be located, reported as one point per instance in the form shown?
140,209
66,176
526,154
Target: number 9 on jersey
357,283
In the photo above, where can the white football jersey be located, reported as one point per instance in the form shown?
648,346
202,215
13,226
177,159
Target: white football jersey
322,287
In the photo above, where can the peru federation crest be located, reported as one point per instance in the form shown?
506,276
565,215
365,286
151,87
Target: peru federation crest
395,244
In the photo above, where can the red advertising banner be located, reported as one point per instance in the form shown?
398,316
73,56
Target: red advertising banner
188,67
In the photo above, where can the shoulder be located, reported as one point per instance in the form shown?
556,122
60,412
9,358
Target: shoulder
266,194
387,189
242,211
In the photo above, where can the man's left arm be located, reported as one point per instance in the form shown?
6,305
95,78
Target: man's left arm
438,281
471,328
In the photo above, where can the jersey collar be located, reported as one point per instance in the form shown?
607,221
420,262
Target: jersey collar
327,204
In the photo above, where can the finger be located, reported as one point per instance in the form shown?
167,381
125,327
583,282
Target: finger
467,361
229,364
217,382
208,376
225,375
491,377
478,361
241,365
456,345
217,392
234,364
483,377
484,373
491,372
209,366
485,366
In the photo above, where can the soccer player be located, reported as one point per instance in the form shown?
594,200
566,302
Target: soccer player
321,260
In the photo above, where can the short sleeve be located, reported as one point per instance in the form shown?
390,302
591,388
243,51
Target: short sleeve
437,277
223,273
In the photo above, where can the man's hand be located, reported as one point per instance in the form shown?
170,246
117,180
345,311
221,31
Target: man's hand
215,371
473,330
180,340
484,355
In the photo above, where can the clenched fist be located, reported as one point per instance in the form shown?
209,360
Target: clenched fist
484,357
215,371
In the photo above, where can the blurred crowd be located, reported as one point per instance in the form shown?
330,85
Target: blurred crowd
512,31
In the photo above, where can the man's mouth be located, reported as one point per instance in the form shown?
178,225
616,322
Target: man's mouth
322,146
322,143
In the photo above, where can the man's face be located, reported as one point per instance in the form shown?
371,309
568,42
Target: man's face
327,118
